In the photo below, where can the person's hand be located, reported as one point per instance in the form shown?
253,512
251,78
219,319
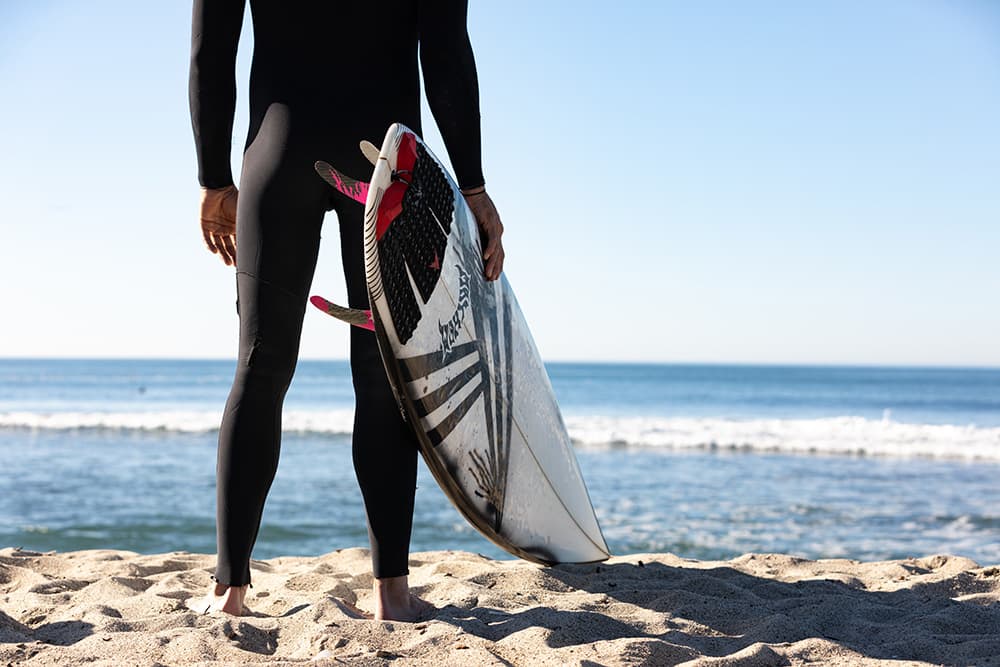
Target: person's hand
490,228
218,221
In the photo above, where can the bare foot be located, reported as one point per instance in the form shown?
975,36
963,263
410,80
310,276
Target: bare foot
227,599
394,602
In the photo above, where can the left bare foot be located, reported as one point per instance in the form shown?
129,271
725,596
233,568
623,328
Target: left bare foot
227,599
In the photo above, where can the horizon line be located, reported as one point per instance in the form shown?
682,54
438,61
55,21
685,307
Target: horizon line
595,362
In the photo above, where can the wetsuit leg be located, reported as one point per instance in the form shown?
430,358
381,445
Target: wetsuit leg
385,447
281,207
280,213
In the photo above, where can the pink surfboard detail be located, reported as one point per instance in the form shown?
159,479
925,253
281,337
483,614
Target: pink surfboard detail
358,191
353,316
347,186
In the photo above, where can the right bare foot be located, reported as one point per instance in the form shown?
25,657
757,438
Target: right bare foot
394,602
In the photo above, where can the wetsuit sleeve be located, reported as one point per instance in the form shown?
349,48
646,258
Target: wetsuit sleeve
449,71
215,34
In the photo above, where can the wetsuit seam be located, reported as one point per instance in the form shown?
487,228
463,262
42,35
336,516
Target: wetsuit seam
276,286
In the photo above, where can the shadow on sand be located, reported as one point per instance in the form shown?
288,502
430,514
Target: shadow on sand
722,611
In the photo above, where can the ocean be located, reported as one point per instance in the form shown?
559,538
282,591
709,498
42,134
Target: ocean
705,461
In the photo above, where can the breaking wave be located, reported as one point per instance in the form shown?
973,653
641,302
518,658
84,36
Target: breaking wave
833,435
856,436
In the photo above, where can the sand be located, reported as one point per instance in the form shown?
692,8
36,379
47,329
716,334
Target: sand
119,608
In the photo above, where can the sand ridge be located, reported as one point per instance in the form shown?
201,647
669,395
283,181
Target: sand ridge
108,607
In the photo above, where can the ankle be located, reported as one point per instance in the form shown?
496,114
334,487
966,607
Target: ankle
391,590
220,589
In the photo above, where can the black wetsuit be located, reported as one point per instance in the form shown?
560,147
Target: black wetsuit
325,74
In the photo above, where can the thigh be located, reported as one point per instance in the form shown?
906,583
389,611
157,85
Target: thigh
279,217
281,205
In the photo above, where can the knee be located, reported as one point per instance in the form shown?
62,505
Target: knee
271,361
270,328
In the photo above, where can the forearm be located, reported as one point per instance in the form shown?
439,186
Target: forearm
452,86
215,33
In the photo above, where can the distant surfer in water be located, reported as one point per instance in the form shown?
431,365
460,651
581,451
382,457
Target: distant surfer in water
324,76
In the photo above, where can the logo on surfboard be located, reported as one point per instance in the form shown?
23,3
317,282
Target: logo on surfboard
451,329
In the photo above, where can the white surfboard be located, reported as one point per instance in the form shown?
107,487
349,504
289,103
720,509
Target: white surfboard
463,365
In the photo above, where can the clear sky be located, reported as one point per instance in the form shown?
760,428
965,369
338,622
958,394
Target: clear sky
680,181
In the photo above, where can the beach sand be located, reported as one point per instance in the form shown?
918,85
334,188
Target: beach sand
119,608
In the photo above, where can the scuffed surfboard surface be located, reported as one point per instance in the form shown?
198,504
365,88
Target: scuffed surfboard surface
465,368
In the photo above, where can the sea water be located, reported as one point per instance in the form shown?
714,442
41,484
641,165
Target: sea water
705,461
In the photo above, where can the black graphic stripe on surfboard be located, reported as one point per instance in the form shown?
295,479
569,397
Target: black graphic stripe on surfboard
421,366
439,433
433,400
508,401
501,446
487,471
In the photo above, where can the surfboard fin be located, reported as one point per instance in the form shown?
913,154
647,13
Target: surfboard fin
370,151
354,316
350,187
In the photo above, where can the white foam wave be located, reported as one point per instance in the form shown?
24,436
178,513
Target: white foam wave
835,435
325,422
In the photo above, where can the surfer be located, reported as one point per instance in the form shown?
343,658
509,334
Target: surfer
324,75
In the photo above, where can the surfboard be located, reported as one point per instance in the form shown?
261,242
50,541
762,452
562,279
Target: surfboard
462,362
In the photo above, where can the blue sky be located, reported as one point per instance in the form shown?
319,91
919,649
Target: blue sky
715,181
